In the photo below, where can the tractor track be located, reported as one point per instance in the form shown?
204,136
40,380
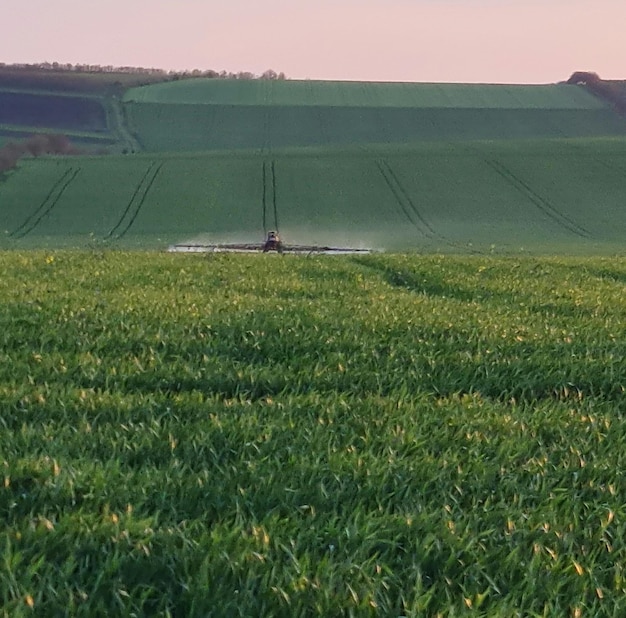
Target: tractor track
404,199
135,204
119,124
269,187
411,211
46,206
264,198
266,117
543,204
274,195
397,197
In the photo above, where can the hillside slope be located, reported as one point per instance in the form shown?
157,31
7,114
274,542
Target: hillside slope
364,94
427,167
505,196
221,114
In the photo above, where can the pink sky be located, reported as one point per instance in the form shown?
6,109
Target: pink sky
535,41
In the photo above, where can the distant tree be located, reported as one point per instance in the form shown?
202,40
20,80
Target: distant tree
7,160
606,90
56,67
60,144
36,146
584,77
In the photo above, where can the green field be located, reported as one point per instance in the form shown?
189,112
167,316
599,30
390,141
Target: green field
391,166
183,128
434,433
508,196
255,436
364,94
231,114
223,114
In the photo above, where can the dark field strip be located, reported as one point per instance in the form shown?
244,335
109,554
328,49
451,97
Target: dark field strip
52,111
11,133
77,83
255,435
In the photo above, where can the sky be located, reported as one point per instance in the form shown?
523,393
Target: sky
476,41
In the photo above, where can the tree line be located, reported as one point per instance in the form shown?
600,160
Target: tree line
60,67
35,146
606,89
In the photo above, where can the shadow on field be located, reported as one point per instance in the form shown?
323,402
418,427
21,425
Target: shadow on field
520,372
608,275
420,282
428,283
226,383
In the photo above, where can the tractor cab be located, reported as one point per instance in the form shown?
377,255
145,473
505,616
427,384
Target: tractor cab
272,243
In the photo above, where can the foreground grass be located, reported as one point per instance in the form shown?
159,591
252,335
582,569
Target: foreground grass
386,435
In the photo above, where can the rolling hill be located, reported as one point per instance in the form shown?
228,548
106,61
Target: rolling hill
427,167
376,435
229,114
540,195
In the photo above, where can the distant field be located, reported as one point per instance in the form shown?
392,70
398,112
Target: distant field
506,196
229,114
162,128
17,133
51,111
91,121
364,94
426,167
432,433
196,115
83,107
